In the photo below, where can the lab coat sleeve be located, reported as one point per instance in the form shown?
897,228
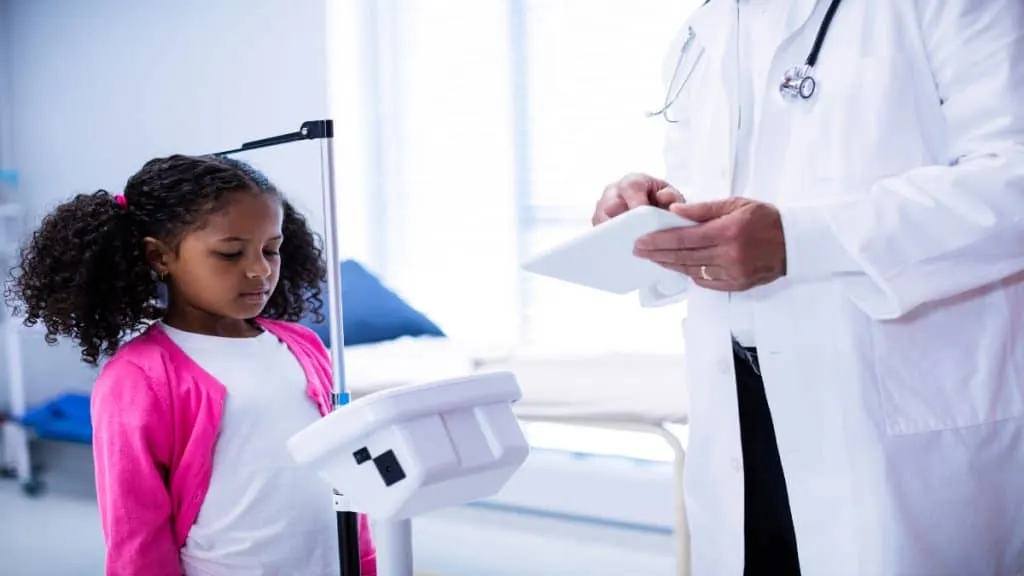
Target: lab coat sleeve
937,231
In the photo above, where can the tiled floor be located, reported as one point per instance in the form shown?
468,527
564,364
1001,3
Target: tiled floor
58,532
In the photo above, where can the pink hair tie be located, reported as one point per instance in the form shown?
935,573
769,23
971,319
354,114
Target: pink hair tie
121,200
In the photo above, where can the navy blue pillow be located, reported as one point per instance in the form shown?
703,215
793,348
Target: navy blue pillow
371,312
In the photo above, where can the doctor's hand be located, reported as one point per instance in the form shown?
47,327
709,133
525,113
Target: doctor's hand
631,191
737,244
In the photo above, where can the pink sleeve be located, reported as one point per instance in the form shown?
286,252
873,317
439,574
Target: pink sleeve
131,448
367,550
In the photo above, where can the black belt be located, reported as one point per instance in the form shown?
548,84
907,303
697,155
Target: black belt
748,354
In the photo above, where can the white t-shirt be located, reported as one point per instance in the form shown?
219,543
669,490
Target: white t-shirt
760,29
262,515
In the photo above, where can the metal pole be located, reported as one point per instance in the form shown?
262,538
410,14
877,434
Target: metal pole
348,522
332,255
14,434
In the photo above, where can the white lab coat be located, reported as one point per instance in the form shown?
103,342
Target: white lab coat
893,350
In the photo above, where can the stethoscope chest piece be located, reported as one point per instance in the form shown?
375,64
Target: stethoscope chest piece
798,82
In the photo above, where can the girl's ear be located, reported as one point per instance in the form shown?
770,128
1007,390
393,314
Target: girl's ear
158,255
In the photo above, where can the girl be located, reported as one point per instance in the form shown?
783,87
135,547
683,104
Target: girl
191,415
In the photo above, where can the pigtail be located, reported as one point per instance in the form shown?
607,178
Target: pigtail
84,275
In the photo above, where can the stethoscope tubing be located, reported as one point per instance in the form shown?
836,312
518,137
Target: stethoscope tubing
798,81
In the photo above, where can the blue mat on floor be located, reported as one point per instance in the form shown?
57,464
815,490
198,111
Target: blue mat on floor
65,418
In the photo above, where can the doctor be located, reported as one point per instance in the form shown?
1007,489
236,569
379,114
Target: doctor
855,334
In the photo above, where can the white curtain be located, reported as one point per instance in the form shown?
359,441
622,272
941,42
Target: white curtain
593,71
430,91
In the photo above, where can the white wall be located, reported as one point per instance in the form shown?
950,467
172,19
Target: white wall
101,86
5,95
98,87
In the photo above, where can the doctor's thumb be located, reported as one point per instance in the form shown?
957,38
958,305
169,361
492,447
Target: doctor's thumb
666,197
702,211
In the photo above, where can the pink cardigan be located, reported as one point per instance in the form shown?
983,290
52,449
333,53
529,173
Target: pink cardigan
155,417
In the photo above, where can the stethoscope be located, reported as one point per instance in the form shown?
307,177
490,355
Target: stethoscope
797,82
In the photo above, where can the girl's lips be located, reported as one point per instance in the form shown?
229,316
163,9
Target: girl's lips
256,296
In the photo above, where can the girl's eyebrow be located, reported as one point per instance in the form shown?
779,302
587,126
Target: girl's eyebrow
241,239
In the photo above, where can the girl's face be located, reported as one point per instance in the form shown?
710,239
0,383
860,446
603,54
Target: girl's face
225,270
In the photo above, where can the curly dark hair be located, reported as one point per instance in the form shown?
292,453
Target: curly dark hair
84,273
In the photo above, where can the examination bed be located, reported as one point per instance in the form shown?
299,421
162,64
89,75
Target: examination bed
639,392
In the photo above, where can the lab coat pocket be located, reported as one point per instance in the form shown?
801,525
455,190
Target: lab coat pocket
950,365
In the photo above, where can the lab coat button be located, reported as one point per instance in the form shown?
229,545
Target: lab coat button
737,466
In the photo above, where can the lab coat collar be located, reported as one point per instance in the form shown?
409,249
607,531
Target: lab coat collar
710,21
715,19
800,13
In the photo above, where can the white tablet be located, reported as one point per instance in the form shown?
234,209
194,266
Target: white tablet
602,257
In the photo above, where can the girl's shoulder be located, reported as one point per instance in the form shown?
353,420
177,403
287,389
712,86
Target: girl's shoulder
135,377
146,352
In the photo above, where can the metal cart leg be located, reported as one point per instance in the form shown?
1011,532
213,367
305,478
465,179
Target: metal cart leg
682,527
15,436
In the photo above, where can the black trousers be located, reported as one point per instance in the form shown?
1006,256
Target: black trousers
769,538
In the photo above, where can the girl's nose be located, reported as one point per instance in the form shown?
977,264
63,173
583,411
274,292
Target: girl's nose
261,269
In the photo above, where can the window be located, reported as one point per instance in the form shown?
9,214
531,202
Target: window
440,162
481,132
591,70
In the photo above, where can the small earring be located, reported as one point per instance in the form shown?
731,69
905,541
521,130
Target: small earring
161,276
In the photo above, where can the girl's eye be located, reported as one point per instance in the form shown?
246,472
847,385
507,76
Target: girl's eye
271,253
230,255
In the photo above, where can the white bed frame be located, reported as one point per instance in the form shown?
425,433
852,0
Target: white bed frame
680,528
434,358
